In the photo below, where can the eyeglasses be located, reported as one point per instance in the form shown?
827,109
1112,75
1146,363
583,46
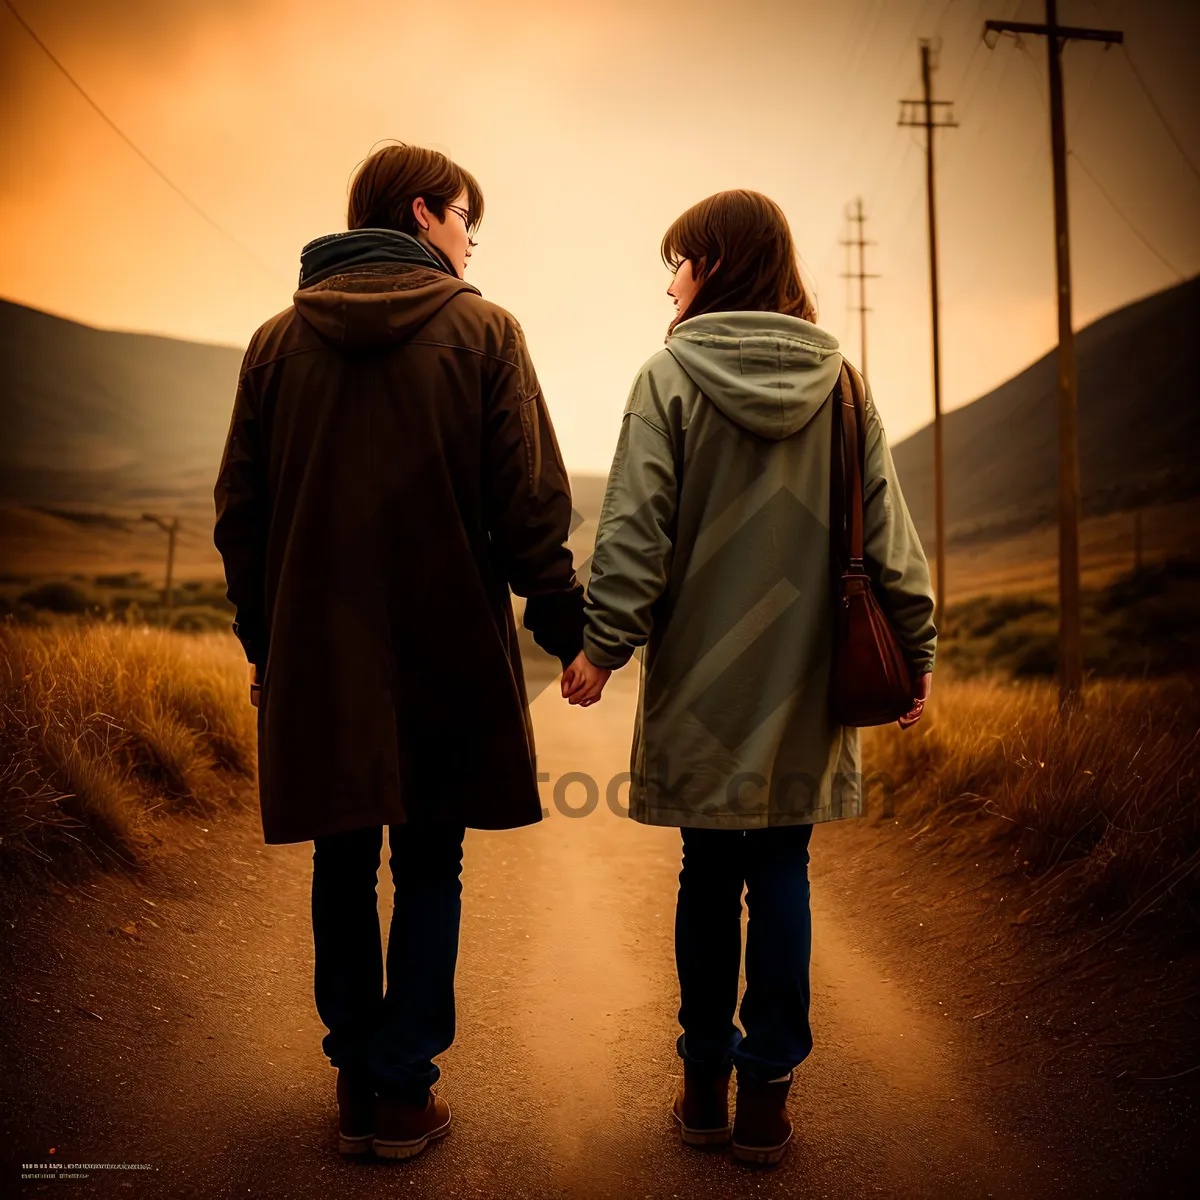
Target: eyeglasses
466,220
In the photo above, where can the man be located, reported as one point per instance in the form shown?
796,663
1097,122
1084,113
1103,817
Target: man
391,471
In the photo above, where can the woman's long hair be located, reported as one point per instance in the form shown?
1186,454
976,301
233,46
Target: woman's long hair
741,248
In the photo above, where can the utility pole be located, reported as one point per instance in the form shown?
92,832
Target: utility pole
1070,619
862,277
921,114
170,528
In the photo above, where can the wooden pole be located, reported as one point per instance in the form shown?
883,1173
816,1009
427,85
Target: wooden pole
926,107
171,532
170,529
1070,631
1070,622
939,497
862,286
862,275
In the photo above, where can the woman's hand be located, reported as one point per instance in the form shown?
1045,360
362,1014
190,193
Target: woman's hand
582,682
920,694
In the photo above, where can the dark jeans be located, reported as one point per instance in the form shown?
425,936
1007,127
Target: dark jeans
773,864
395,1036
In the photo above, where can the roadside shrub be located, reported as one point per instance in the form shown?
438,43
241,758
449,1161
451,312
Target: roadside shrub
127,579
1101,803
104,726
199,619
1143,624
58,597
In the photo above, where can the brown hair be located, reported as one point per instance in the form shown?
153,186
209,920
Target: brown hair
386,184
748,236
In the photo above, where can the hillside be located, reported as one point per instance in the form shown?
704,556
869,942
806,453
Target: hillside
101,422
1139,425
101,426
95,417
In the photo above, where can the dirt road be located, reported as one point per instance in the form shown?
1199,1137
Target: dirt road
169,1022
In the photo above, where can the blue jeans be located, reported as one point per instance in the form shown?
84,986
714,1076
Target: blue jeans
392,1037
773,864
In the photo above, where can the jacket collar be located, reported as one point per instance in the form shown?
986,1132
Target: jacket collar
337,252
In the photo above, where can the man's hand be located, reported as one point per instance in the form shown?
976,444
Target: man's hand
582,682
921,688
255,690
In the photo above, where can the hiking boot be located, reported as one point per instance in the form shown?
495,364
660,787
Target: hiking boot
356,1112
403,1129
702,1107
761,1127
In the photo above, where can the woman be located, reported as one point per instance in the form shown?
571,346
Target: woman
713,551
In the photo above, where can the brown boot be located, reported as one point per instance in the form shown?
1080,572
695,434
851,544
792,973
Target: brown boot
356,1112
702,1107
761,1127
404,1129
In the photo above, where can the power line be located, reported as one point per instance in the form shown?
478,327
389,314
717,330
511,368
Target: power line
1037,77
1162,258
967,71
1159,113
860,47
849,148
959,155
1080,102
865,41
888,168
937,29
141,153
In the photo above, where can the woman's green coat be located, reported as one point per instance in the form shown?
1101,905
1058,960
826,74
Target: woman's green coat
713,551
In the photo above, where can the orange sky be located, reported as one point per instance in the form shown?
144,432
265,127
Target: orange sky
590,126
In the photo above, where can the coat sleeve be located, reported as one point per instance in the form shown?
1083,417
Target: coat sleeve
527,502
893,550
243,518
634,539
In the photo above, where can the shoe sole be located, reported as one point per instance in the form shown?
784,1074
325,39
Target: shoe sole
703,1137
355,1145
766,1155
388,1148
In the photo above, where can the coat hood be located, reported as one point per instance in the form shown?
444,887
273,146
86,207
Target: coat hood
372,287
768,372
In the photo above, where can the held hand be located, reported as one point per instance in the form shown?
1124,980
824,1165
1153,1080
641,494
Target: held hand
921,688
255,690
582,682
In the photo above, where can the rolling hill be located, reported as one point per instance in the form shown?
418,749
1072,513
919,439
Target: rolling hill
1139,427
100,426
97,417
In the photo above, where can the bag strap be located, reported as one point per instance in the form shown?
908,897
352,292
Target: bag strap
849,427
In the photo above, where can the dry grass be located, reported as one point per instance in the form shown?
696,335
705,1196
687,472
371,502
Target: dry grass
104,728
1101,808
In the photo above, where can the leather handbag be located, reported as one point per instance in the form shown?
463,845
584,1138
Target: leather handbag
870,682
